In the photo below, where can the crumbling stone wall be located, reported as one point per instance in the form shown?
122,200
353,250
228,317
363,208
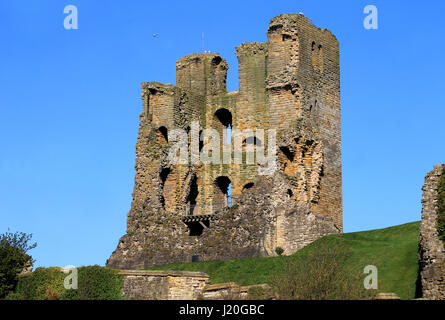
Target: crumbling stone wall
163,285
431,248
289,84
184,285
233,291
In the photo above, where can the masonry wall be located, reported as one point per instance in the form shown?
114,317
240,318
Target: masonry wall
184,285
304,85
431,248
163,285
289,84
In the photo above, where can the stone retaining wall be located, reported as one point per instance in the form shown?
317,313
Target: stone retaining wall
163,285
184,285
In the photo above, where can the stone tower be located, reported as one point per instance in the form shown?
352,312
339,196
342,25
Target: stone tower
287,106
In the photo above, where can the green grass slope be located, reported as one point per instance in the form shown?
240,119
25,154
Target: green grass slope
392,250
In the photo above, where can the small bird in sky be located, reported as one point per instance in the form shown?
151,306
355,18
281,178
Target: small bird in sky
155,35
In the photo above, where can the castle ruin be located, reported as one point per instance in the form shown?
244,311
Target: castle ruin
289,87
431,247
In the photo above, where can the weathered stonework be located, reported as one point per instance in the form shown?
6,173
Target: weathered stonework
233,291
184,285
290,84
431,248
163,285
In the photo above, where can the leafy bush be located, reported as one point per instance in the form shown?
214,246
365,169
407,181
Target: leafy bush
320,274
94,283
13,258
441,216
42,284
279,251
97,283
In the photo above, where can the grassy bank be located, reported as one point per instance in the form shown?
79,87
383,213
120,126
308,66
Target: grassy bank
392,250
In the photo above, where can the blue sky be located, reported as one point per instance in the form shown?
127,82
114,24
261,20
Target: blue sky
70,100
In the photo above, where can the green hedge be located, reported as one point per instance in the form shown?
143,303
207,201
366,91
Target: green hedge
94,283
441,217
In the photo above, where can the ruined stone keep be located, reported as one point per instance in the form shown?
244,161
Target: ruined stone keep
196,211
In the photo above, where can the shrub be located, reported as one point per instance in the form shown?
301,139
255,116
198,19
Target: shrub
441,204
279,251
13,258
318,274
97,283
94,283
42,284
259,293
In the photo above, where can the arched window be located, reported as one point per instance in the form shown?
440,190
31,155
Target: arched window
162,135
223,193
224,116
223,125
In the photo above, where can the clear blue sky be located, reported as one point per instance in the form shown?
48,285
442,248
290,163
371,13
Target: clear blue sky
70,100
